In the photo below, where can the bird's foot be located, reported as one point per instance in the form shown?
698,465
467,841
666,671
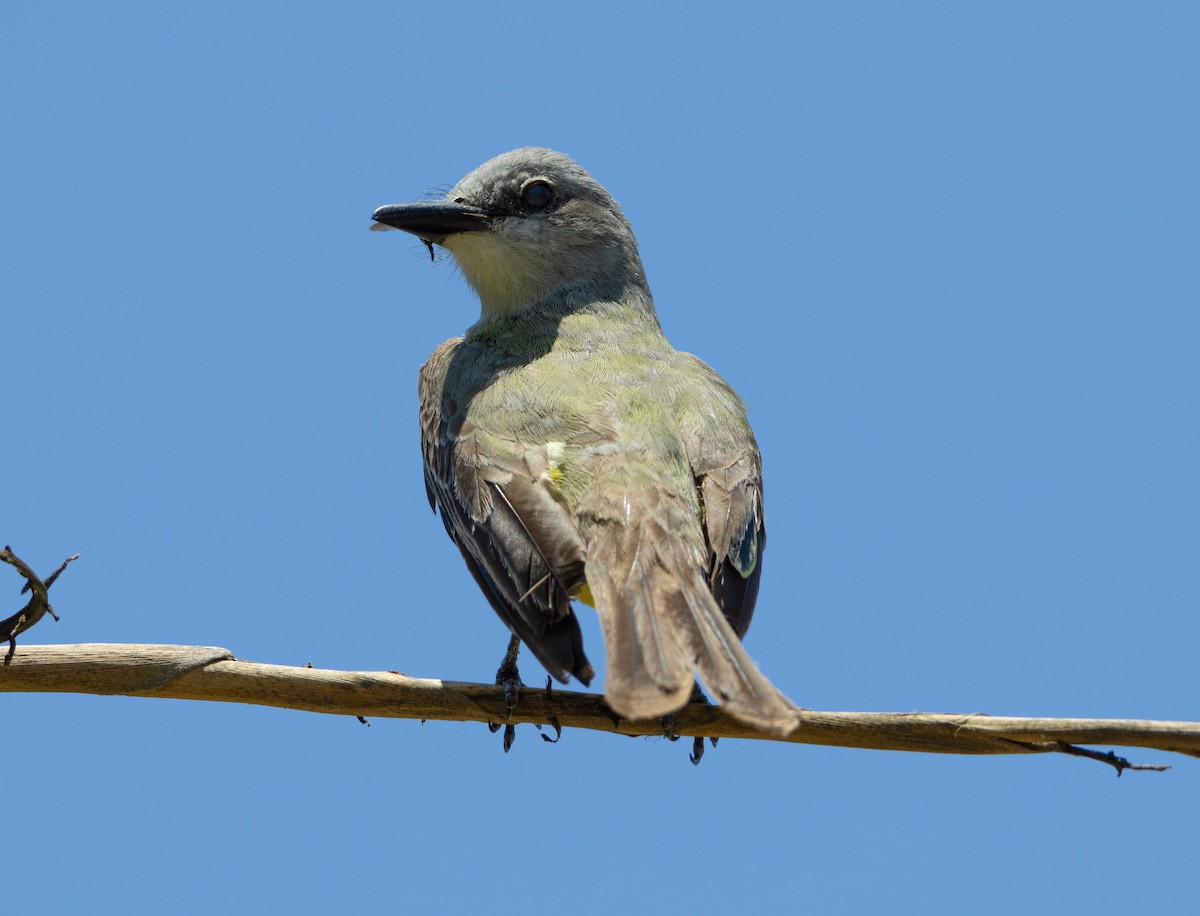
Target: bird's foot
668,726
508,678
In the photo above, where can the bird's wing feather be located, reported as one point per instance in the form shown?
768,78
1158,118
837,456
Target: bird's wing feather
728,471
736,537
515,534
660,620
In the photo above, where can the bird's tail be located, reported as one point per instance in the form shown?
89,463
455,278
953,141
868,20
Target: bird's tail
661,623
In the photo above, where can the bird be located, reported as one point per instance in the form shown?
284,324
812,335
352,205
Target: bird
575,456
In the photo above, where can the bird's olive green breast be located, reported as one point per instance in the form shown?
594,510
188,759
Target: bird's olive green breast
621,410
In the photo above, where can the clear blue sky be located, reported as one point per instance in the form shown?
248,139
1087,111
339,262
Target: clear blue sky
948,255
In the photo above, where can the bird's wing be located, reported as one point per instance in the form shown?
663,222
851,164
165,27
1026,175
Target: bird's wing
501,508
646,565
728,470
675,571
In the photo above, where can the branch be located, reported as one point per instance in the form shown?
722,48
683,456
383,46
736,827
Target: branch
206,673
39,601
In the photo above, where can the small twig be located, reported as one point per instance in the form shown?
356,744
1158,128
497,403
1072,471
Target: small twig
1120,764
39,601
54,575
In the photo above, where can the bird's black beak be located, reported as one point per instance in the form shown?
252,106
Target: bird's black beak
433,220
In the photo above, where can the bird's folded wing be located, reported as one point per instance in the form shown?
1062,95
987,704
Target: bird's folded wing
517,538
728,471
733,526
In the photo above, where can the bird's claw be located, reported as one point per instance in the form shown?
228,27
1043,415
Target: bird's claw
668,727
512,691
508,678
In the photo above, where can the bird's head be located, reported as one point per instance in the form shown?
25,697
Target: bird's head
528,228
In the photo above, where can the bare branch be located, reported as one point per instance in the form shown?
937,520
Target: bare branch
207,673
38,605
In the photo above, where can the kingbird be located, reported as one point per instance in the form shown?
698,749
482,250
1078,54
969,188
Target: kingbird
575,455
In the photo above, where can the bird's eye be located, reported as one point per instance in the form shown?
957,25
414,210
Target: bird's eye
537,194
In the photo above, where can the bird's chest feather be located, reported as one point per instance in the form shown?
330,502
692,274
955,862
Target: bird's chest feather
570,418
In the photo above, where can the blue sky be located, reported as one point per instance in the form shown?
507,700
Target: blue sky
946,252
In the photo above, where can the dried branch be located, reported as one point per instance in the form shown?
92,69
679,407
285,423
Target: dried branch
206,673
39,601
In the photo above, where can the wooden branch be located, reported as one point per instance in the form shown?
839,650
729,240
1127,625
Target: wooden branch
39,601
206,673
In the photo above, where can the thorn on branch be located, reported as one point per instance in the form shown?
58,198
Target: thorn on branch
39,602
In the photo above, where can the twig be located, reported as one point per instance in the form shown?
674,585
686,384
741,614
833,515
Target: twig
39,601
1120,764
206,673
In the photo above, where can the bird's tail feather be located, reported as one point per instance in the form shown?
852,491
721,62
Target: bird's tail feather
661,624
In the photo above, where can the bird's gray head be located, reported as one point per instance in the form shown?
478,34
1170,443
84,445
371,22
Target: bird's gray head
530,228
